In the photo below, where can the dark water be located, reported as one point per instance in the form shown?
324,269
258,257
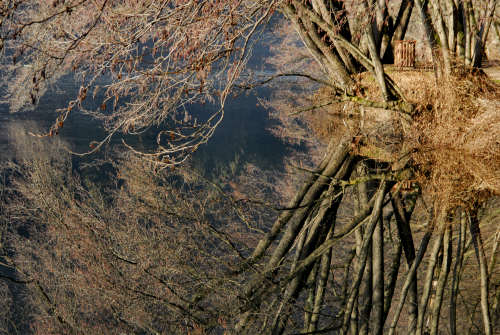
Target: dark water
243,135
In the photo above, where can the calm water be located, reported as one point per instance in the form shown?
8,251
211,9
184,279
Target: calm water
243,135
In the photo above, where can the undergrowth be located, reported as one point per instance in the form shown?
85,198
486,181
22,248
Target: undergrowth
456,142
454,137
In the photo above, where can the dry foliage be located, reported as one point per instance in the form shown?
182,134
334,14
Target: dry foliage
457,143
454,139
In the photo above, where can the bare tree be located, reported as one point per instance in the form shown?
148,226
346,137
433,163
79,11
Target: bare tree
323,265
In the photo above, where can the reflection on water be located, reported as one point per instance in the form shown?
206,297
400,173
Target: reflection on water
243,135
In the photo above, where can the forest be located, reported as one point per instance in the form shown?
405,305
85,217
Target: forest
382,216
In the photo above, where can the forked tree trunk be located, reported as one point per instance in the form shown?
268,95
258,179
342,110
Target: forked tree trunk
410,277
367,238
404,231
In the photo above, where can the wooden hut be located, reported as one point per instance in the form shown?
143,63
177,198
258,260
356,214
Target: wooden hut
404,53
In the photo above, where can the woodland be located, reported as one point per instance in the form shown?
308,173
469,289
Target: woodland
385,222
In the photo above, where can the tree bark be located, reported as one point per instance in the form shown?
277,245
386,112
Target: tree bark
433,259
393,276
456,275
410,277
378,72
428,36
313,193
483,268
367,236
437,19
378,277
322,222
443,277
301,197
406,237
364,301
324,271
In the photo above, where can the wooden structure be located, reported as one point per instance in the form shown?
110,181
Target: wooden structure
404,53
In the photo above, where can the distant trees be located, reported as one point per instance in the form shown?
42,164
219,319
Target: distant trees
155,255
331,260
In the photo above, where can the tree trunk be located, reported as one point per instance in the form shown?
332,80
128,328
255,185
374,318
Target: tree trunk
443,277
410,277
367,237
483,268
456,275
405,235
433,259
378,277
